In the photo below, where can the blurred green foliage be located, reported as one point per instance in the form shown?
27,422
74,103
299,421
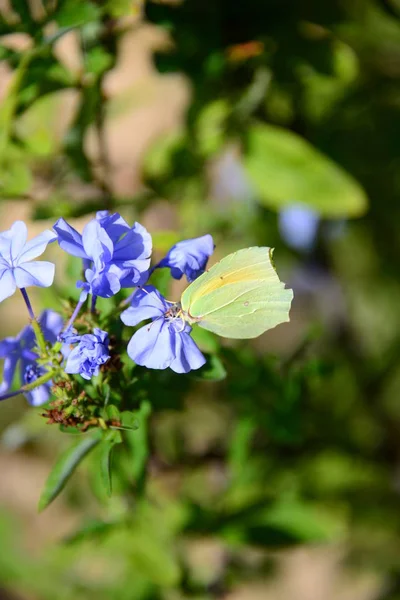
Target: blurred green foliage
258,451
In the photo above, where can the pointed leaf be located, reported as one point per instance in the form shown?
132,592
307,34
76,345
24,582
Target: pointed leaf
284,168
65,466
106,448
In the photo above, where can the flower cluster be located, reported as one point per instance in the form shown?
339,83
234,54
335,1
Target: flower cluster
90,353
20,353
114,256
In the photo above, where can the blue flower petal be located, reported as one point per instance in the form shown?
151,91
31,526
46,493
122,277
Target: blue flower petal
153,346
15,270
97,244
38,273
114,224
38,396
135,276
298,226
106,285
69,239
147,303
36,246
188,355
136,244
74,361
189,257
10,364
51,324
7,284
7,346
18,234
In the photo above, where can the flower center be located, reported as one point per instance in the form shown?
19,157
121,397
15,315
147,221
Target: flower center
32,372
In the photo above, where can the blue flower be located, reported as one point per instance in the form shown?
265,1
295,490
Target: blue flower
298,226
19,349
115,255
17,269
165,342
189,257
90,353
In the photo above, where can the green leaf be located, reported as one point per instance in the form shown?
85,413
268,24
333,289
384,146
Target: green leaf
15,174
207,341
158,162
211,126
124,8
129,420
285,169
138,442
92,529
112,413
75,13
39,126
239,452
9,104
213,370
106,448
305,522
65,466
97,61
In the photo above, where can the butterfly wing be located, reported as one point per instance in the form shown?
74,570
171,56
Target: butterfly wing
239,297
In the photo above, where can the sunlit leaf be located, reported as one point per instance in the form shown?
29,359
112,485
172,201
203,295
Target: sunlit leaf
97,61
158,161
210,127
74,13
284,168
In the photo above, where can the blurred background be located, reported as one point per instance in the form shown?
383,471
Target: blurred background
265,122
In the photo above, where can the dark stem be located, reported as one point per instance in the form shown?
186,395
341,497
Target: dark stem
10,395
28,303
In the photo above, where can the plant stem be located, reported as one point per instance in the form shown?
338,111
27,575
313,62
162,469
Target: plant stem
74,315
128,300
30,386
41,342
39,381
28,303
